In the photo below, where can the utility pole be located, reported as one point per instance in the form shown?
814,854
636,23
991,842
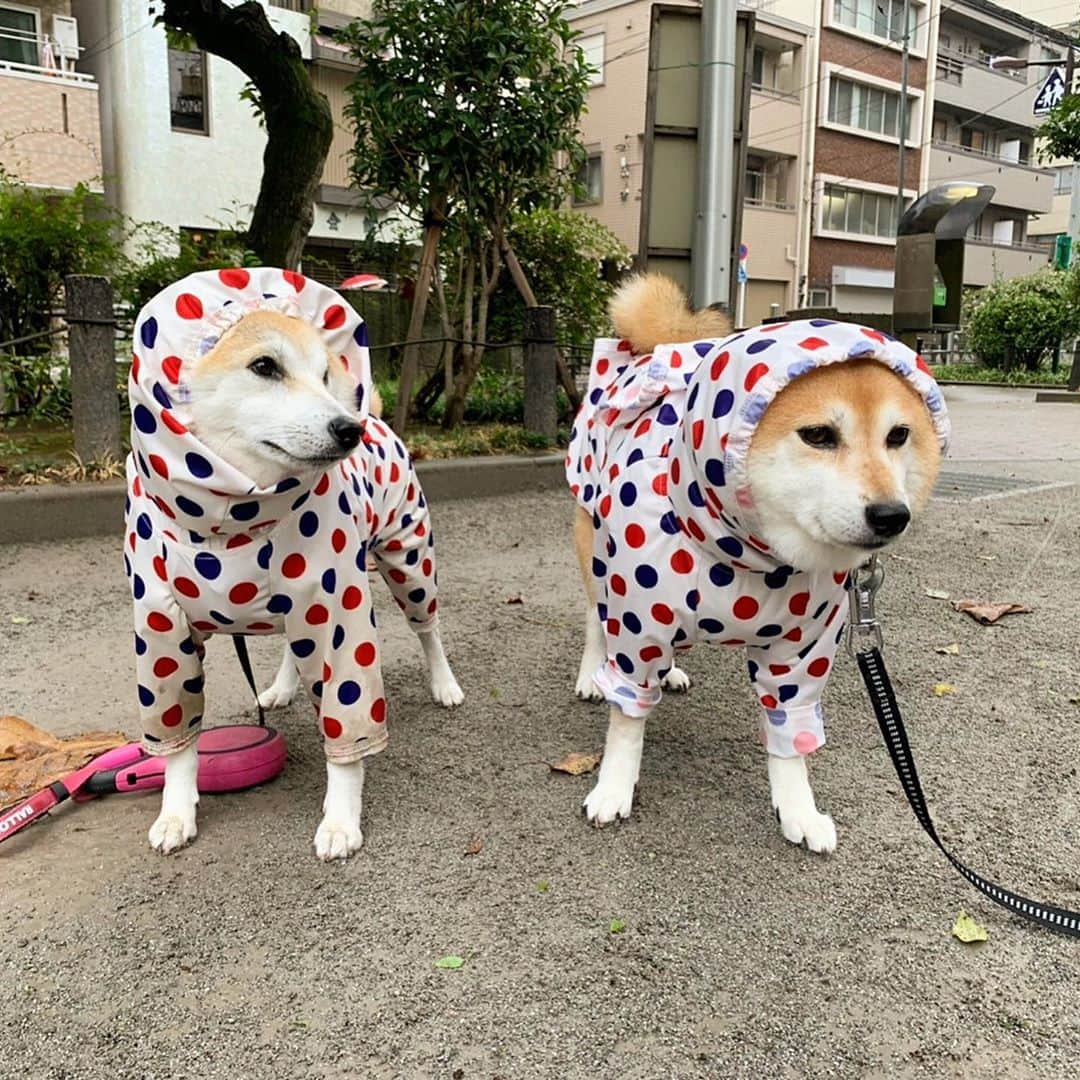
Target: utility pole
902,114
1074,197
716,149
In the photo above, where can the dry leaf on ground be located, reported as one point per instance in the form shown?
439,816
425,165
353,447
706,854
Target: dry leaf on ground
943,688
967,930
576,764
948,650
476,845
937,594
514,600
987,612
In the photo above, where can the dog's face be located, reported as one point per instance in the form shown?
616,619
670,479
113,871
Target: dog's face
840,462
270,400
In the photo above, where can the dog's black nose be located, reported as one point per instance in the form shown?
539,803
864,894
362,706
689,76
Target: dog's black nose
346,432
887,519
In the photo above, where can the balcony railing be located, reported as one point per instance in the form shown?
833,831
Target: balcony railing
951,64
988,155
40,56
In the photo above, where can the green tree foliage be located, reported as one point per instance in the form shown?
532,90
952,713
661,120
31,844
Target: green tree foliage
464,111
1032,313
1060,133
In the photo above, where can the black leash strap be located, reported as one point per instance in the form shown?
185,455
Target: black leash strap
240,644
887,712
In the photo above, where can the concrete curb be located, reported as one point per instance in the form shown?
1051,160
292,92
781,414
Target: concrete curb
63,512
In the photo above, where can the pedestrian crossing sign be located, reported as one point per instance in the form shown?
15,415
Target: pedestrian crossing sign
1050,93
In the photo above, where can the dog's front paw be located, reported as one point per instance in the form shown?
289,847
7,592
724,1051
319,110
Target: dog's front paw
335,839
677,680
585,688
445,690
816,830
609,800
173,831
278,694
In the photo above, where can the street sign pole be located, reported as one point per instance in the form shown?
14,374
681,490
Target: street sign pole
740,308
1074,196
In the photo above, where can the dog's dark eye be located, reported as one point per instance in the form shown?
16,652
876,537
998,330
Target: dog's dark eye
265,367
898,436
821,436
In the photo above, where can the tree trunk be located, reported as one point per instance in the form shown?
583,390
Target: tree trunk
299,124
410,364
473,357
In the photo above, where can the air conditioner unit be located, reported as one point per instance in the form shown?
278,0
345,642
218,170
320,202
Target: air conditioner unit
65,31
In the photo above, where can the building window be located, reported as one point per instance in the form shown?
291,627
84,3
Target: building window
819,298
590,180
19,35
1063,180
867,108
773,69
187,91
766,181
592,48
878,18
857,212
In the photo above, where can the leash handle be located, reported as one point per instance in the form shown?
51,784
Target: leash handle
240,644
28,811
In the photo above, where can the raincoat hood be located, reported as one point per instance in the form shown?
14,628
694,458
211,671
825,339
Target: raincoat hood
728,384
190,485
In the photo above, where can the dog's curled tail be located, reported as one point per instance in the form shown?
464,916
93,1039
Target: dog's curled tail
651,309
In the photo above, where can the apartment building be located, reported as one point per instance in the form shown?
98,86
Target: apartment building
615,38
50,132
180,144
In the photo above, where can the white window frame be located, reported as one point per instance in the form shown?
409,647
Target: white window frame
916,101
22,9
205,131
596,78
820,182
917,47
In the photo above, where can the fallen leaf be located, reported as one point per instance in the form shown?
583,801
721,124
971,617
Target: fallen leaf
943,688
476,845
1075,700
616,926
967,930
987,612
576,764
937,594
515,600
543,886
949,650
19,620
449,963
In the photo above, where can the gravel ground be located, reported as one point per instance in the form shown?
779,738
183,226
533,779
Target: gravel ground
741,956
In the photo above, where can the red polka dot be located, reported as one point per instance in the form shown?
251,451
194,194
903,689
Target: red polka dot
651,652
159,622
338,540
157,463
602,365
812,343
188,306
159,568
135,368
798,603
805,742
624,346
840,577
642,428
426,567
682,562
378,710
614,627
172,716
237,541
297,281
818,667
331,727
695,530
698,433
171,366
204,625
876,335
778,669
257,626
635,535
832,615
719,364
234,277
172,423
754,375
365,654
746,607
316,615
323,485
294,565
351,598
395,472
794,634
164,667
663,614
921,364
659,484
243,592
617,585
333,317
186,587
675,471
768,701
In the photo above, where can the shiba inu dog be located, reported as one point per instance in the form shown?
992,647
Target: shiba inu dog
727,484
259,486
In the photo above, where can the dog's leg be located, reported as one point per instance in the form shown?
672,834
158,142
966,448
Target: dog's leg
676,679
595,651
175,825
444,687
286,682
339,835
613,795
793,801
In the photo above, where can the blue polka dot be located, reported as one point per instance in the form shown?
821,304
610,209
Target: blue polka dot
667,415
703,348
646,576
349,692
329,581
778,578
245,511
625,663
264,555
628,494
611,547
193,686
224,620
770,630
138,587
140,646
413,557
635,456
198,465
127,567
587,492
361,557
343,503
599,568
631,622
821,610
148,332
279,604
721,575
309,523
601,612
807,650
187,646
626,692
693,397
680,635
752,667
189,506
360,335
596,395
693,493
144,526
693,598
760,345
787,692
339,633
302,648
146,696
777,717
143,467
317,688
669,524
714,472
300,502
711,626
161,397
287,484
207,565
416,595
822,322
723,404
729,545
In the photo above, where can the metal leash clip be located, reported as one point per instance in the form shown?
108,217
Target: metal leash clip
863,628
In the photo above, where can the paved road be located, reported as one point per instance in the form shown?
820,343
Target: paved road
741,955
